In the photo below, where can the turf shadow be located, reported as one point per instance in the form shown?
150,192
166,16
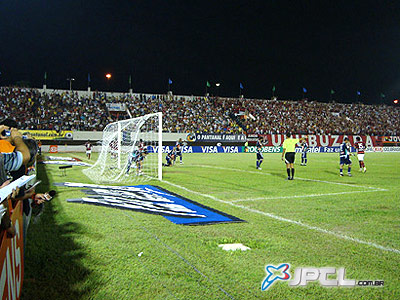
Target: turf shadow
333,173
53,267
279,174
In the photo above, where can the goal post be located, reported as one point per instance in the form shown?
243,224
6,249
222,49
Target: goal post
131,151
160,146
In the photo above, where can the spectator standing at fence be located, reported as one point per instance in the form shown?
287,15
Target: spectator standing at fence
39,143
89,147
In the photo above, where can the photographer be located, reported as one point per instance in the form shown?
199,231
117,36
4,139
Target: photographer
21,155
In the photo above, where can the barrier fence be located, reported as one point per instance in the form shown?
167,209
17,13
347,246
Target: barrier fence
12,258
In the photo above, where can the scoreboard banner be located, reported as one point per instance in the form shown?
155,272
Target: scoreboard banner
391,140
319,140
383,149
49,134
210,137
265,149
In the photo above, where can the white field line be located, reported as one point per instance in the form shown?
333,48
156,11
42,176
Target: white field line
305,179
302,196
338,235
340,183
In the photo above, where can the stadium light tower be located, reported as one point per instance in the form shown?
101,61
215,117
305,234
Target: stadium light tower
396,101
108,76
217,85
70,82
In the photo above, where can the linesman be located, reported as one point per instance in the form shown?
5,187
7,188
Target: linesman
289,154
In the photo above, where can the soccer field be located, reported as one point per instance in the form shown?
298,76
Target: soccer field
78,251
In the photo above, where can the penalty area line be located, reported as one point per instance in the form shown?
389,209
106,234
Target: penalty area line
299,178
302,196
276,217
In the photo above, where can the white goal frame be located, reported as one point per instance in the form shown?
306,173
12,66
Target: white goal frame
112,163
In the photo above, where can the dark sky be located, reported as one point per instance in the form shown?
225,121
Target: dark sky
321,45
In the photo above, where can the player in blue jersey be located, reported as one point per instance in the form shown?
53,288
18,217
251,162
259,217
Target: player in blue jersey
178,150
345,156
169,158
136,157
259,155
304,148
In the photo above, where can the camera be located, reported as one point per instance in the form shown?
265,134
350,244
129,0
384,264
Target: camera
6,132
48,196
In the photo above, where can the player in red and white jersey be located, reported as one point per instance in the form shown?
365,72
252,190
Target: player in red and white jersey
360,146
89,147
142,146
113,145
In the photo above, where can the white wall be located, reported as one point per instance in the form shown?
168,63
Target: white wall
98,135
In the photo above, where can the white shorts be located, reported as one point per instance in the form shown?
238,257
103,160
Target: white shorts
88,151
360,157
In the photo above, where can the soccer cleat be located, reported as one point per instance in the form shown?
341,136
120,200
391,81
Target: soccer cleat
341,174
361,169
288,178
181,162
350,175
259,168
365,169
126,174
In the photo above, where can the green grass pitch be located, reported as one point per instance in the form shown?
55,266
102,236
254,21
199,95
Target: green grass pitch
77,251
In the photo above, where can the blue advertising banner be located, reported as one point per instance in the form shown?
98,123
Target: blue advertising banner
241,149
199,149
150,199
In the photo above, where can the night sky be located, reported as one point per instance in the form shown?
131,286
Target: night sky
320,45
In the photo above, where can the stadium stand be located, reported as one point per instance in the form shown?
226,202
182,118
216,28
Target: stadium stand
311,117
69,111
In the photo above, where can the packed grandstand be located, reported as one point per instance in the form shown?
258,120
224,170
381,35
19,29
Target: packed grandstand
64,110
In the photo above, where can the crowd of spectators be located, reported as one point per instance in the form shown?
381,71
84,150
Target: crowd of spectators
311,117
69,111
185,114
52,111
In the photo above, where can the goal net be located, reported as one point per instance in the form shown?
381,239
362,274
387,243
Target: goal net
131,151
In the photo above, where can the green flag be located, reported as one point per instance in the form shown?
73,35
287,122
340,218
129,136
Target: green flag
273,88
383,95
130,79
332,92
45,75
208,84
